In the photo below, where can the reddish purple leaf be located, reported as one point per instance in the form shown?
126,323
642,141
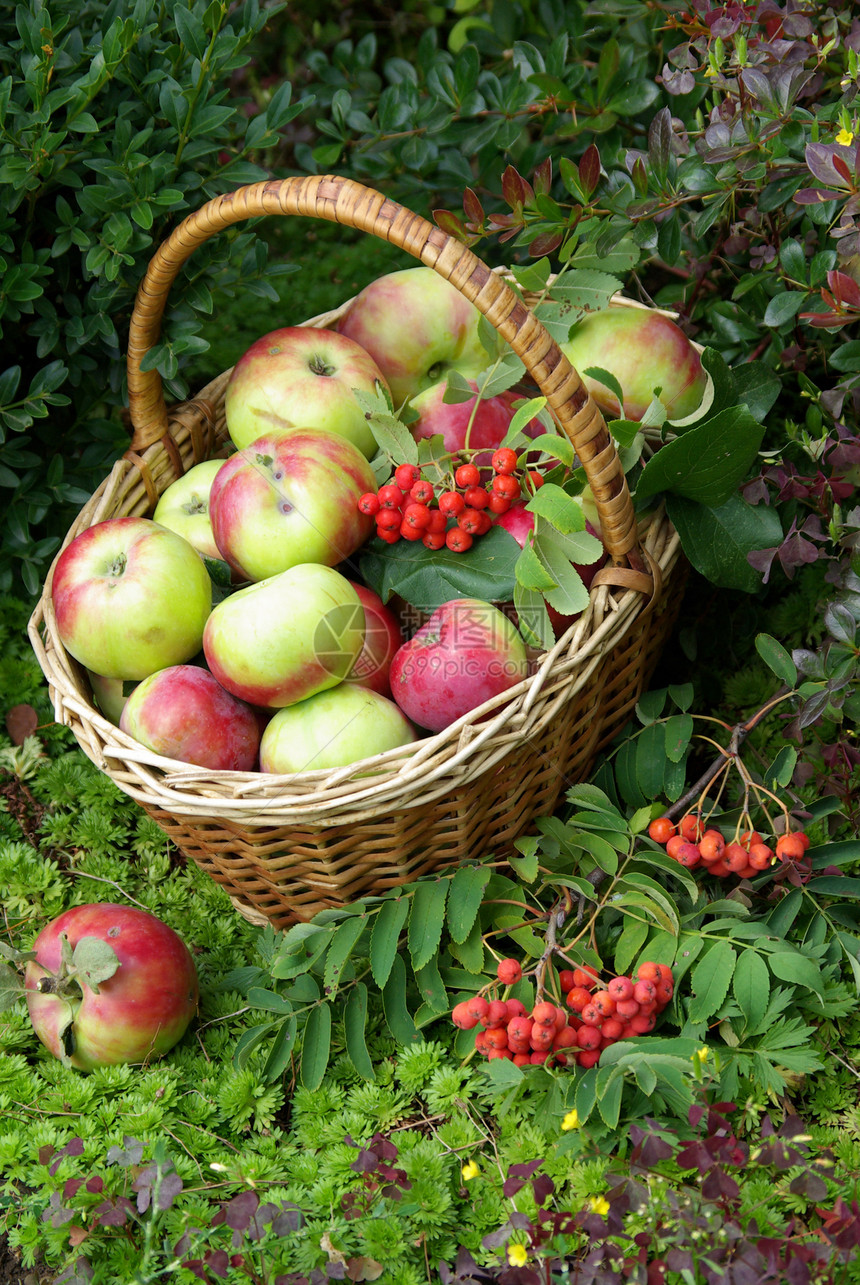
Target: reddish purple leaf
472,207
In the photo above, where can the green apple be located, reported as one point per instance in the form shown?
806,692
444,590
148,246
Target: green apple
332,729
184,507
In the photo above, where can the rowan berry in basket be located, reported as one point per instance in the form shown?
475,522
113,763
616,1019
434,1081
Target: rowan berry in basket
471,521
498,504
457,540
433,539
417,515
388,535
369,503
422,491
451,502
506,486
509,971
390,496
406,475
467,475
389,519
504,460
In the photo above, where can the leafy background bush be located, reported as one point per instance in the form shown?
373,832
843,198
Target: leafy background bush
305,1137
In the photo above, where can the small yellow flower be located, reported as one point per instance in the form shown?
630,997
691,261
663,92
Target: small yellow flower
517,1255
845,137
470,1171
701,1054
599,1205
571,1120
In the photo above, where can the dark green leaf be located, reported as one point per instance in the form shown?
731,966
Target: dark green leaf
355,1021
385,937
791,966
426,920
397,1014
316,1046
464,900
717,540
751,987
777,659
710,980
281,1050
342,944
428,577
705,463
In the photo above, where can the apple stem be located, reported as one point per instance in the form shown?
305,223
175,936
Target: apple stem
319,366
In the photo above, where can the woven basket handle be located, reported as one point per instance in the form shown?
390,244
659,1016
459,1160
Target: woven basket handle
343,201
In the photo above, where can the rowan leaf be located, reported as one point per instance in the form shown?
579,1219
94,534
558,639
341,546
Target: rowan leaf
316,1046
355,1023
385,937
710,980
426,920
342,945
394,1006
751,987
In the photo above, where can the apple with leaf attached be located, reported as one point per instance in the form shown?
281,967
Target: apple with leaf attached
417,326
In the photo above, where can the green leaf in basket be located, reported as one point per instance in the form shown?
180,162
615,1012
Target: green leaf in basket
426,920
534,622
392,435
354,1025
554,444
561,510
531,572
397,1014
428,577
385,938
316,1046
608,380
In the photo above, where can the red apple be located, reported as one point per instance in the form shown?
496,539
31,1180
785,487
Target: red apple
301,377
333,729
290,498
460,428
466,653
130,597
95,1013
283,639
184,713
382,637
417,327
643,350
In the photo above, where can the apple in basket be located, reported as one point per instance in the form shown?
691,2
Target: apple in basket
130,597
110,694
301,377
109,985
184,713
382,637
290,497
417,327
184,507
466,653
285,638
456,422
644,351
333,729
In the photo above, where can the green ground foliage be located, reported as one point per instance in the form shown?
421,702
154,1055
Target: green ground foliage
323,1118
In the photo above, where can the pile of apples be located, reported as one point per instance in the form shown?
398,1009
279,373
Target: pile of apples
300,666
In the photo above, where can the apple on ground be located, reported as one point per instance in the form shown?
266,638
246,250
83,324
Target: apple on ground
519,522
417,327
301,377
478,424
285,638
290,497
91,1010
130,597
466,653
643,350
184,713
333,729
382,637
184,507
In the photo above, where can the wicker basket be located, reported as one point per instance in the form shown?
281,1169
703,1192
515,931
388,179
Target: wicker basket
284,847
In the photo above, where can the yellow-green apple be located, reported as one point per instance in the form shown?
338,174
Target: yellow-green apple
644,351
478,424
301,377
287,637
109,985
382,637
519,522
417,327
110,694
130,597
182,712
332,729
466,653
184,507
290,497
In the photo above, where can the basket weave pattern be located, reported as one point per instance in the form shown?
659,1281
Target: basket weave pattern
284,847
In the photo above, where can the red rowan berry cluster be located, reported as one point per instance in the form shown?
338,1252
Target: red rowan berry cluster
576,1033
692,844
408,507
